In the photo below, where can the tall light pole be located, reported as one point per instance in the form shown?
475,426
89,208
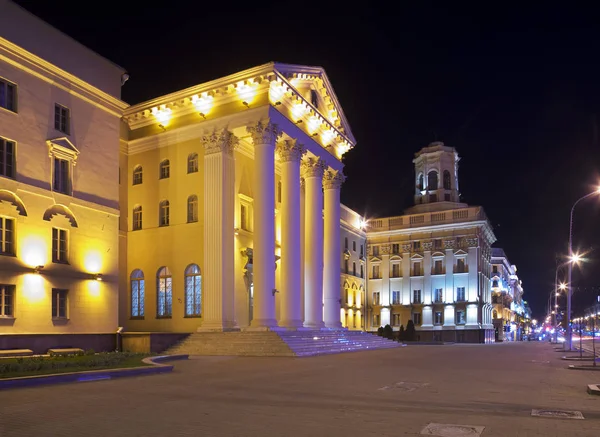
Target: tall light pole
569,339
557,287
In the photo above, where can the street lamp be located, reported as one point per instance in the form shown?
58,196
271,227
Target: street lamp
573,258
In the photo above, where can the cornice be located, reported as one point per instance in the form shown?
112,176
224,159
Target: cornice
44,70
432,228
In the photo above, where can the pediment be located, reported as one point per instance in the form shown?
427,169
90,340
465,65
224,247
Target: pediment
375,259
438,254
416,256
395,258
460,252
62,148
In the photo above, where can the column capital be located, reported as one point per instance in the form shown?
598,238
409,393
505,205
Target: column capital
264,132
333,179
313,167
289,150
220,140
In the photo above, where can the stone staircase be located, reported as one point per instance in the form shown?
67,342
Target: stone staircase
279,343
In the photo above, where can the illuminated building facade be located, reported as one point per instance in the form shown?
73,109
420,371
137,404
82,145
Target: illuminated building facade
432,265
230,204
60,113
510,313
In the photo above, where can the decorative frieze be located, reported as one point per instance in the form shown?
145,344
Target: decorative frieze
220,140
264,132
333,179
289,150
473,242
428,245
406,247
384,249
313,167
449,244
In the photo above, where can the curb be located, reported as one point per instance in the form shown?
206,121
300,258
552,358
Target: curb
590,368
594,389
94,375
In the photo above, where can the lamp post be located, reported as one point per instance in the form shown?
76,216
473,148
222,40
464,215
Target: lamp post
557,287
569,339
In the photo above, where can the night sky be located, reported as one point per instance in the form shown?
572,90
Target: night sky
515,90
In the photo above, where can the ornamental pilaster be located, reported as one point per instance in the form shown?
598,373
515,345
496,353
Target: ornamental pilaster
333,179
264,132
289,150
220,140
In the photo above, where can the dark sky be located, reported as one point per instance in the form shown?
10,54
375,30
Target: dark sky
515,90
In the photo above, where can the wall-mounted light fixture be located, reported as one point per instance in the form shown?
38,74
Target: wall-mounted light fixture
162,127
37,269
246,104
98,276
236,231
203,103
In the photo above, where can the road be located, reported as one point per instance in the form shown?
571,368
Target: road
379,393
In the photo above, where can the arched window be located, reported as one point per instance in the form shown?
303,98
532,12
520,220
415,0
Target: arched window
421,182
137,218
432,180
165,169
164,293
192,209
447,185
495,314
138,291
193,163
193,291
137,175
163,213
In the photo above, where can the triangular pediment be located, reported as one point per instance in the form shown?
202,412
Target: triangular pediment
303,78
416,256
395,258
375,259
460,252
63,148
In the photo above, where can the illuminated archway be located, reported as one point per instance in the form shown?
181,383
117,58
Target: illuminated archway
62,210
13,199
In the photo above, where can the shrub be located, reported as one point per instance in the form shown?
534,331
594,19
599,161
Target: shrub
388,332
401,334
380,331
410,333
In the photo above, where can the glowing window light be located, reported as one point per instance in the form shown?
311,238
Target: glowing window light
276,92
246,92
298,111
203,103
163,115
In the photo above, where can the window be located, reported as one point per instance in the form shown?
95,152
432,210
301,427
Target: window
138,292
438,267
362,271
353,269
346,266
416,317
417,268
164,169
59,303
164,288
437,244
494,284
279,189
163,213
416,246
347,295
193,291
495,269
376,298
354,320
438,295
138,175
432,180
416,296
314,99
495,314
375,250
460,294
244,217
437,318
192,209
460,317
192,163
353,245
395,298
7,298
62,177
376,321
8,95
421,182
7,236
137,218
447,180
447,199
361,250
7,158
395,248
395,319
61,118
346,243
460,265
395,270
60,244
375,272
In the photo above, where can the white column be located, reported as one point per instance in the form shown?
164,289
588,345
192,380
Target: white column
313,169
332,183
290,153
264,136
219,203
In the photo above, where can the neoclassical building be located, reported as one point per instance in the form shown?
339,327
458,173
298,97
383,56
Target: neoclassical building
432,265
60,112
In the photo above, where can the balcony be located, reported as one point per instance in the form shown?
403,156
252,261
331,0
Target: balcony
426,219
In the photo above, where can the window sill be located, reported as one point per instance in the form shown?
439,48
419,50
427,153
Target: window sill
164,317
199,316
8,254
7,317
137,318
2,108
65,263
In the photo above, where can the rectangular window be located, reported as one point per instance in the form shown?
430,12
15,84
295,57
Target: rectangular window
376,298
61,118
346,266
395,298
60,243
495,269
437,244
62,178
395,249
361,250
395,270
244,217
8,95
395,319
460,317
437,318
375,250
7,299
137,218
416,318
7,236
346,243
353,245
417,269
375,272
416,246
376,321
59,303
460,265
438,267
7,158
362,271
437,295
416,296
460,294
353,269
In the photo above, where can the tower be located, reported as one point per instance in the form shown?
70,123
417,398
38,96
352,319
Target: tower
436,178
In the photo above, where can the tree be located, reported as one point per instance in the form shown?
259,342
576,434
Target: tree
410,333
388,332
401,334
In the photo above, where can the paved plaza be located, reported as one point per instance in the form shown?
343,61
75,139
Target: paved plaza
381,393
